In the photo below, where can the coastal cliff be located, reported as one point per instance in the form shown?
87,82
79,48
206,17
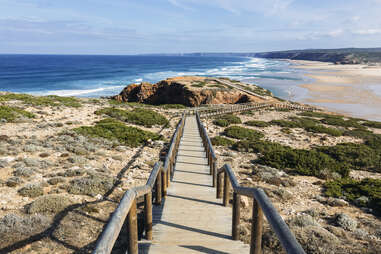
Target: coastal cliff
337,56
192,91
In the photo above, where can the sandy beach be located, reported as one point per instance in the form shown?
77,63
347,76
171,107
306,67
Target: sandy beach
353,90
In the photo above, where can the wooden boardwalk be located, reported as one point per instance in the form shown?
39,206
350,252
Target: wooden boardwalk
191,219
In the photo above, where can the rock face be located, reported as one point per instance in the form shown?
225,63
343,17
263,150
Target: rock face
189,91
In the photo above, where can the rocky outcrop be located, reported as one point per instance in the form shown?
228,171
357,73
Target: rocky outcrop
189,91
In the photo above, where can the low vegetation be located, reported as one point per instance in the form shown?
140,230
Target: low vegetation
10,114
199,84
285,123
258,123
363,193
304,162
242,133
226,120
336,121
218,86
318,114
91,185
31,190
372,124
282,109
172,106
139,116
221,122
322,129
50,100
49,204
358,156
114,130
221,141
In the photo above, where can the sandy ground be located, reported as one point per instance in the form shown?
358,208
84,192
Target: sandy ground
350,89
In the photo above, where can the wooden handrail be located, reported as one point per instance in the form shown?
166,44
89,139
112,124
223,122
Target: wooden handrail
157,182
250,106
217,109
261,203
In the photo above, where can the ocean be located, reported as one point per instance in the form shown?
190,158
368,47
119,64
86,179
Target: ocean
95,76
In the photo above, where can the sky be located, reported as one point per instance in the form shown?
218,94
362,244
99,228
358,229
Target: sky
184,26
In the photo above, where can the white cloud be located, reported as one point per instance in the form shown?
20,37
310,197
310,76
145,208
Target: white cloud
371,31
321,34
178,3
267,7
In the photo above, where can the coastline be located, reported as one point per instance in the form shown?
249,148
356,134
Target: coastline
353,90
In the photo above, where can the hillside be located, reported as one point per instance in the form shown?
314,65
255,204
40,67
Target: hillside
339,56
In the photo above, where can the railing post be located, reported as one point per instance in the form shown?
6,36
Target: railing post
164,183
214,172
210,163
158,189
226,189
236,216
256,229
132,229
148,215
219,186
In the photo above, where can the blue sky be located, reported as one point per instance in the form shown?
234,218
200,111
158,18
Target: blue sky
176,26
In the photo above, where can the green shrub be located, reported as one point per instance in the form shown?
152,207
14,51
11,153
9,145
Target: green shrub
226,120
12,113
359,156
221,141
31,190
258,146
217,86
50,100
282,109
285,123
247,112
318,114
341,122
260,91
232,119
91,185
114,130
258,123
49,204
242,133
373,124
221,122
286,130
372,140
359,133
352,189
304,162
172,106
305,121
199,84
139,116
322,129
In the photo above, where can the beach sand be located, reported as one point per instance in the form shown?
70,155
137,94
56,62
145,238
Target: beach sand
353,90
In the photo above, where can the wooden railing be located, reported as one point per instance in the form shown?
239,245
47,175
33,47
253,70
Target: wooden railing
224,178
226,109
156,185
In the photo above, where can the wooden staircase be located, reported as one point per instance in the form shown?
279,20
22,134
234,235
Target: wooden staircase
191,219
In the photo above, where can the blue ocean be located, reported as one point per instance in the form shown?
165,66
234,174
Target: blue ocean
94,76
